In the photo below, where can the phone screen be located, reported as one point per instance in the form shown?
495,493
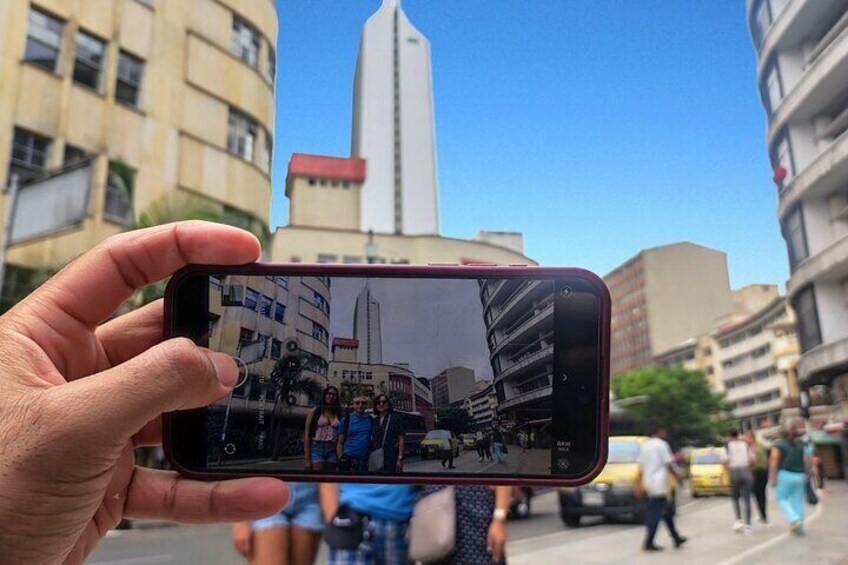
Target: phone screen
404,376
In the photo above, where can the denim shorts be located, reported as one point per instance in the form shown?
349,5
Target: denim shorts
324,452
303,510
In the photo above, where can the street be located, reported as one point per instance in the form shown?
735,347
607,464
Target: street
542,538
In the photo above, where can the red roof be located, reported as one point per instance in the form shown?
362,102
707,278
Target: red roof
345,342
334,168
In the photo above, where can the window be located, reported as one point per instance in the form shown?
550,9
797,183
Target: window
245,41
44,39
795,236
245,336
762,21
251,299
88,62
128,85
320,302
319,332
117,204
773,91
30,152
351,259
809,332
73,155
782,157
241,135
269,152
276,348
327,258
271,71
265,305
282,282
280,312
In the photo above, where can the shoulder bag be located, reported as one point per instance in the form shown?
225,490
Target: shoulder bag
375,459
432,530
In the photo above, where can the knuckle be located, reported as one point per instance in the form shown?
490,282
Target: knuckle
184,358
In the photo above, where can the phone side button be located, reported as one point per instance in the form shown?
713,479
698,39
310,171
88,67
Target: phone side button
518,265
443,264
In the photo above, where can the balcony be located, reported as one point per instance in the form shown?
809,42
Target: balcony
759,409
526,398
532,321
822,363
532,360
756,388
518,296
827,173
832,263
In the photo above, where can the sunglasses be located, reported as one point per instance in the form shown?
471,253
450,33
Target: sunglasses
358,402
382,402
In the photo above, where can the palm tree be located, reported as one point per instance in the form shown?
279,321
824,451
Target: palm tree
288,384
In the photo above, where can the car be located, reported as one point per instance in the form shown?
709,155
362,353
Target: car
707,473
615,492
469,442
439,444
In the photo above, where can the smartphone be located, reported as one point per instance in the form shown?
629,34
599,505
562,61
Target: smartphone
397,374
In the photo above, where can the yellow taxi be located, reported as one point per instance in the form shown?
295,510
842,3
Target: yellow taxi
707,474
616,491
439,444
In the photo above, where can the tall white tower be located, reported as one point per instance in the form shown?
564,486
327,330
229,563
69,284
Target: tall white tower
393,127
366,328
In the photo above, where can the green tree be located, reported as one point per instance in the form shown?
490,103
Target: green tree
679,399
457,420
287,385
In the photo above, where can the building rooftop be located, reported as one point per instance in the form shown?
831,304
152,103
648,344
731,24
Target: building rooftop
345,343
321,166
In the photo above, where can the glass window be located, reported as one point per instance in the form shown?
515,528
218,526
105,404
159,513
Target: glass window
265,305
327,258
117,205
130,73
319,332
44,40
251,299
72,155
30,152
320,302
808,319
241,135
773,87
245,41
271,71
280,312
269,152
88,61
276,348
762,22
782,157
795,236
245,336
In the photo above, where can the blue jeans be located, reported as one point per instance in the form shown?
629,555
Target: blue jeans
658,510
790,495
500,456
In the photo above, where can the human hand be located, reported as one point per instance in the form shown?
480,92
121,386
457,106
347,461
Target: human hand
243,539
496,540
77,395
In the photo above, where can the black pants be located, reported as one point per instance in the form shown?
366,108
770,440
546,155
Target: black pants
760,484
658,509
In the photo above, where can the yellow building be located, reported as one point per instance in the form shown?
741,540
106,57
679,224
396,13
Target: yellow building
164,97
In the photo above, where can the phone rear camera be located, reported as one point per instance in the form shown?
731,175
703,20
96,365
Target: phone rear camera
565,291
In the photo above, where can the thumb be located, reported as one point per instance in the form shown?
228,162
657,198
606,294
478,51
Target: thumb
173,375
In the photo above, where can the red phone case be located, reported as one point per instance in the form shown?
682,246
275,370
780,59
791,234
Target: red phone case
432,270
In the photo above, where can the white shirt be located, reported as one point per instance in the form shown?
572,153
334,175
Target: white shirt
737,454
654,458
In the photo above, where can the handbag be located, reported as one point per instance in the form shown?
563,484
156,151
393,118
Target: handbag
432,529
375,459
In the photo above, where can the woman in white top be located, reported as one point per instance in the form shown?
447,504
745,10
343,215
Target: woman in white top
738,459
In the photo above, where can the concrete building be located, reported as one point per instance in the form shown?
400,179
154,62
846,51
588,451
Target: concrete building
324,199
451,385
367,328
662,297
482,405
802,72
393,126
158,98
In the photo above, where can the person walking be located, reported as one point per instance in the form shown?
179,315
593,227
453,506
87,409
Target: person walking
737,459
498,445
655,464
786,474
321,433
480,439
522,440
376,515
290,537
760,473
487,444
388,434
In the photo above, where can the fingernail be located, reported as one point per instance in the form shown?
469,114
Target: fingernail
225,368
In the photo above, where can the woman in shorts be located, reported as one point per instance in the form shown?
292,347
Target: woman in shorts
291,537
322,432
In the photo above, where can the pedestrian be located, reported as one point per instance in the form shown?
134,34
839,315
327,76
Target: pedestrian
354,440
737,459
498,445
481,532
447,456
522,439
290,537
480,439
321,433
532,439
786,473
487,444
388,434
367,524
760,472
655,464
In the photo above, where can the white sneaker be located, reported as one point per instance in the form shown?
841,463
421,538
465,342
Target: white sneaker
747,530
738,526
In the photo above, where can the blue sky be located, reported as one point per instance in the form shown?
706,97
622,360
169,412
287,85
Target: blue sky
596,128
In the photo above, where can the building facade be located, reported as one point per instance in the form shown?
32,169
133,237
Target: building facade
367,329
159,97
451,385
662,297
482,405
802,72
393,126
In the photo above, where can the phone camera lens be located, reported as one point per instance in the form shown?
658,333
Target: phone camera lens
565,291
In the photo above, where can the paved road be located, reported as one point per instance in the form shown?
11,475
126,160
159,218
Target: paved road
542,539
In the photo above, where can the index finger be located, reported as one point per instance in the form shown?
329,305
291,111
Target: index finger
92,287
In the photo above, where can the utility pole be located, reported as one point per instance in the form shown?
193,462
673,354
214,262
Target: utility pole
8,218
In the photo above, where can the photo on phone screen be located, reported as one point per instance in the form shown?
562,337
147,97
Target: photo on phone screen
404,375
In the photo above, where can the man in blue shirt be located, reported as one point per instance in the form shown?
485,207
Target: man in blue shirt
355,436
389,508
